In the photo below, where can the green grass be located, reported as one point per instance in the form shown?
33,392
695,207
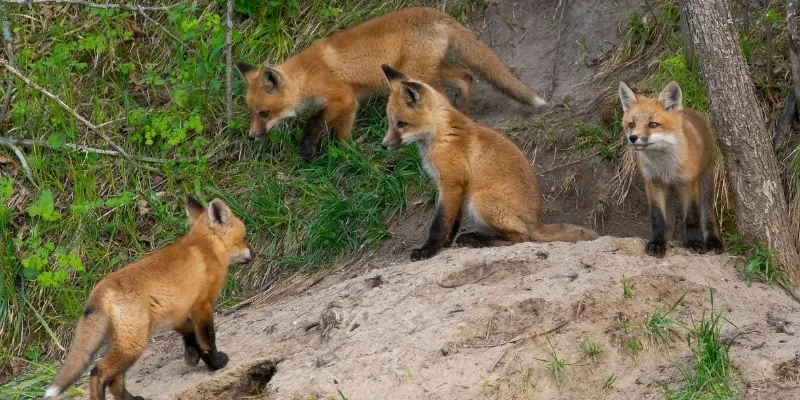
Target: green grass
555,364
711,376
591,350
88,214
656,327
627,290
757,264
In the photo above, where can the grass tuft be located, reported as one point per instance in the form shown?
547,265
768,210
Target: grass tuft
711,376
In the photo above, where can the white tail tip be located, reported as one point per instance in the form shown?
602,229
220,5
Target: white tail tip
51,392
539,101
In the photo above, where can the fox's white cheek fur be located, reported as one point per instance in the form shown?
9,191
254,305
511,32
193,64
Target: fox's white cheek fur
662,138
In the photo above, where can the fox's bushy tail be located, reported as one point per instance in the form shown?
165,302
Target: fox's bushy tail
465,46
89,336
563,233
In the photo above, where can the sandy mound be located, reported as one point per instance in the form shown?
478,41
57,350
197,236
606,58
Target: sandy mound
468,324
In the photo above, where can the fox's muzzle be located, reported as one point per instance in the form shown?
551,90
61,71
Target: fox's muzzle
254,136
391,144
252,254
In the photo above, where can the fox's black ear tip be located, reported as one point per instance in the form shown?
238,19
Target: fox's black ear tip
191,201
244,67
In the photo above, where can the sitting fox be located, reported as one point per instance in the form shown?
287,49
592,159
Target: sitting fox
477,171
335,72
676,150
173,287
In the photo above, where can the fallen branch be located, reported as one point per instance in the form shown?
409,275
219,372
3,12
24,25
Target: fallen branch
63,105
24,163
93,5
82,149
522,338
10,54
229,63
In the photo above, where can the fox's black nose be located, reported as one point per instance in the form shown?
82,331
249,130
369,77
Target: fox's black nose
633,138
384,146
252,138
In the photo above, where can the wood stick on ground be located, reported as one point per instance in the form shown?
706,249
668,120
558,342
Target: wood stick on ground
24,163
92,5
522,338
229,63
63,105
4,111
81,149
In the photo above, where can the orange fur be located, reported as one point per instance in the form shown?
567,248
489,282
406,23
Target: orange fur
675,149
335,72
477,171
174,287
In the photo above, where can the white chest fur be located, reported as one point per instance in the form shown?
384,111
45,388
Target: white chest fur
662,164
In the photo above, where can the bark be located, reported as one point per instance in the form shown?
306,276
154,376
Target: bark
688,48
762,213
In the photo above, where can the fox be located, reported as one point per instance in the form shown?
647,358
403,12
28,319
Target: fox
334,73
174,287
476,170
676,151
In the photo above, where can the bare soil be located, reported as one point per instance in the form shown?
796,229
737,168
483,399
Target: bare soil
475,323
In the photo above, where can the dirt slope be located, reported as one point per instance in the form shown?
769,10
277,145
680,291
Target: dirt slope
435,329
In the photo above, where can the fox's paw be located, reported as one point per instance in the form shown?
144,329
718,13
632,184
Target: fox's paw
136,398
422,254
714,245
308,152
192,356
696,246
656,248
218,361
469,239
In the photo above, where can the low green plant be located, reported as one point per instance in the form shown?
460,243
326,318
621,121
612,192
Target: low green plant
608,382
711,375
627,290
757,263
656,326
591,350
556,365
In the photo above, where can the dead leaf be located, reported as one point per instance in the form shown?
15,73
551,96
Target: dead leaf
3,160
132,26
143,208
46,11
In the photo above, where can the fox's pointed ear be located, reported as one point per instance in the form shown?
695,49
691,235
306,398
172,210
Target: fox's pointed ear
219,212
391,73
270,80
194,209
245,68
626,96
671,98
412,92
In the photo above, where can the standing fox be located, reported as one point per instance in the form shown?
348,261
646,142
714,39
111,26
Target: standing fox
475,168
676,150
335,72
174,287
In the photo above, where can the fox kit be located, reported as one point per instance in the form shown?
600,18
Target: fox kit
676,150
476,169
174,287
335,72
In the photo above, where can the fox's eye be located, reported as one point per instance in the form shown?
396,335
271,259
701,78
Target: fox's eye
653,125
401,124
631,124
263,114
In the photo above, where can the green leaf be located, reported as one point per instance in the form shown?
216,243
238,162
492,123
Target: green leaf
772,16
30,273
44,207
57,139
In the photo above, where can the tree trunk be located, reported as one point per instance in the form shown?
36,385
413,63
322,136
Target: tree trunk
762,213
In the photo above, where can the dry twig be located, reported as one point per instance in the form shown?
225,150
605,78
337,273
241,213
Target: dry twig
4,112
63,105
79,148
93,5
229,63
